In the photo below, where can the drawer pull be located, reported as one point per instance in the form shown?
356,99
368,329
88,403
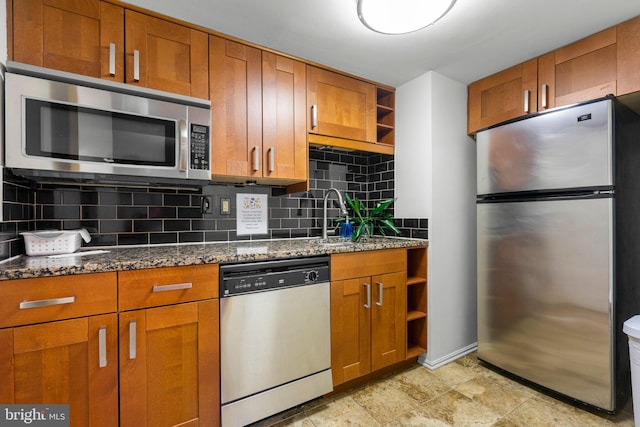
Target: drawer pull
46,302
379,302
132,340
174,287
102,347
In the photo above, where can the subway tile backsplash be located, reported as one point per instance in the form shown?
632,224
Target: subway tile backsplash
118,216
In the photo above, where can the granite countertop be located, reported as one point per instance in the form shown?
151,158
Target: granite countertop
133,258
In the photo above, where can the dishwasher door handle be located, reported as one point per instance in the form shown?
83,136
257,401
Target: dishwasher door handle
368,303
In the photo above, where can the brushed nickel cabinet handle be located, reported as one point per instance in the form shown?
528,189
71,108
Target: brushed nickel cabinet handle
136,65
379,302
545,88
272,159
314,116
132,340
47,302
526,101
102,347
256,159
112,59
173,287
368,304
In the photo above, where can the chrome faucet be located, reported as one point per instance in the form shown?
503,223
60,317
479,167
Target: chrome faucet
343,208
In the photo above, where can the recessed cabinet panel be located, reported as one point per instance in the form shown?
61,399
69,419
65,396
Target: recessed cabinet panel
502,96
70,36
166,56
340,106
628,59
70,362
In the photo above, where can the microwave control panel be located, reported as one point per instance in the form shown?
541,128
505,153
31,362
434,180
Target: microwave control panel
200,147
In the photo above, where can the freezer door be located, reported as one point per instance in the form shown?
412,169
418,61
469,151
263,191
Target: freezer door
569,148
545,286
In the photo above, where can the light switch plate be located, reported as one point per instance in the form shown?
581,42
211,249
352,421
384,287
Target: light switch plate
225,206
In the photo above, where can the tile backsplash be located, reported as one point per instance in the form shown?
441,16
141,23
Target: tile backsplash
117,216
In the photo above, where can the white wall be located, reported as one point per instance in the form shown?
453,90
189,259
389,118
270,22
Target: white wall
435,178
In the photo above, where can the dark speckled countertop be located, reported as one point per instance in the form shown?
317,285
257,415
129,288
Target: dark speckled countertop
133,258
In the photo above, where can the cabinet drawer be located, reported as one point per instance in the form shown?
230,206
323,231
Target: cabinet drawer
26,301
169,285
369,263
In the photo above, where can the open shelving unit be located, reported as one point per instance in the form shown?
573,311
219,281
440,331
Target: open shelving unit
385,115
416,301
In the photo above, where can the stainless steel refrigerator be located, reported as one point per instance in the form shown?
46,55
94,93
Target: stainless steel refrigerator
558,217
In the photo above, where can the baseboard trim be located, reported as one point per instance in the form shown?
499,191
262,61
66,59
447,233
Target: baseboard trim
433,364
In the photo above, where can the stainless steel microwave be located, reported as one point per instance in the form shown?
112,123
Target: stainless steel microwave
61,125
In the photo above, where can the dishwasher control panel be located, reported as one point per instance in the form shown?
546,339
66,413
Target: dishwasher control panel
268,275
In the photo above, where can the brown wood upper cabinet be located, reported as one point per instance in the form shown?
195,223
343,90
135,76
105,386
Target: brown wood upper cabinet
578,72
628,60
502,96
258,114
601,64
340,106
88,38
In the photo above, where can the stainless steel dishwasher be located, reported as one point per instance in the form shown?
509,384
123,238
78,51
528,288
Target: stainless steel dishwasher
275,337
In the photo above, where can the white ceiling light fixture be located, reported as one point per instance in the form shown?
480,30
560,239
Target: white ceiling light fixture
401,16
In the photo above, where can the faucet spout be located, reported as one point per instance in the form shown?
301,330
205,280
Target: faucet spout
343,209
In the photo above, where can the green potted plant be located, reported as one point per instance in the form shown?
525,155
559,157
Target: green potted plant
365,222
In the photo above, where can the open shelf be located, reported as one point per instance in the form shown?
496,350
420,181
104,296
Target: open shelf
416,301
415,314
385,115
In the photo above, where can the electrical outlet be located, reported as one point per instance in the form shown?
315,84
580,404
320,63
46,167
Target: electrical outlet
206,204
225,206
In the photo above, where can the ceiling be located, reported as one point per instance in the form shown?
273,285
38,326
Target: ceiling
476,38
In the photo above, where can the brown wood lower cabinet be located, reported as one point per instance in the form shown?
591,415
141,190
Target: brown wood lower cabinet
368,312
154,363
169,365
72,360
169,347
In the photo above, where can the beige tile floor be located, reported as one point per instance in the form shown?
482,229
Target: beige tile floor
462,393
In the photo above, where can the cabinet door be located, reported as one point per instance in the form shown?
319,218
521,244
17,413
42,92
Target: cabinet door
236,108
350,329
340,106
73,36
68,362
628,47
505,95
284,136
169,366
388,326
578,72
170,57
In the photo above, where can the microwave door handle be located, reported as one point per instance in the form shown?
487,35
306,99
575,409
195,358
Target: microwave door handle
184,146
